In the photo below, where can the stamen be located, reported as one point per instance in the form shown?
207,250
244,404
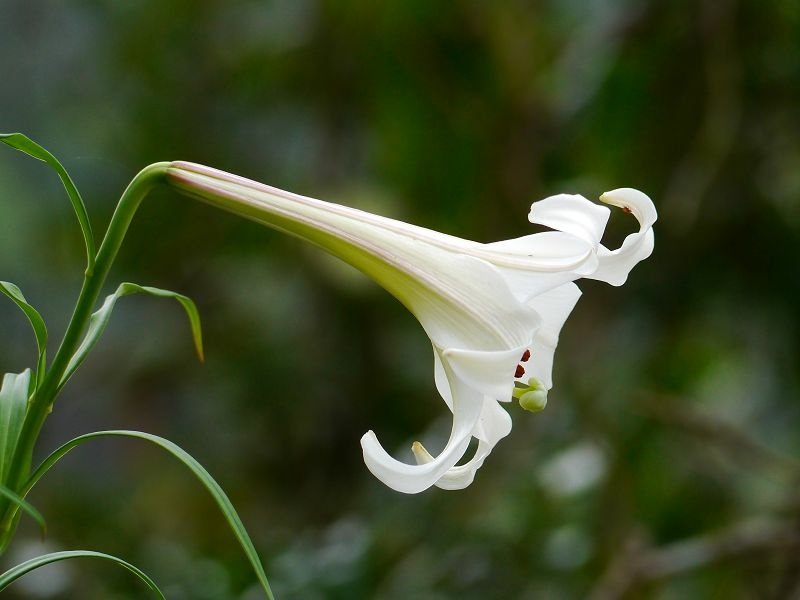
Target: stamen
526,355
533,401
626,209
534,398
520,371
421,455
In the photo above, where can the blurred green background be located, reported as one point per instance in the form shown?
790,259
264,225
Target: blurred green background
666,464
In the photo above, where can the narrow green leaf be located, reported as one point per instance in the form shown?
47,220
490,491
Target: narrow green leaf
195,467
37,323
28,146
26,507
99,320
26,567
13,404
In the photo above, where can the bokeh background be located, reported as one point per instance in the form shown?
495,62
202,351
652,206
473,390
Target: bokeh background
666,464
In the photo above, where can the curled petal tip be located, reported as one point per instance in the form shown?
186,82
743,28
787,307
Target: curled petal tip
410,478
630,199
615,265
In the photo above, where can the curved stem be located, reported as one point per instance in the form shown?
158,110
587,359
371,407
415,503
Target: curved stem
40,404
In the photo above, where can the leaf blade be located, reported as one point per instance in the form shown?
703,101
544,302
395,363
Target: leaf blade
13,404
36,321
216,491
23,143
100,318
32,564
26,507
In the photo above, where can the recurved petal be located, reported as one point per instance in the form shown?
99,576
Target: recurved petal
573,214
443,387
496,424
548,251
412,479
440,377
553,307
527,284
615,265
469,304
489,373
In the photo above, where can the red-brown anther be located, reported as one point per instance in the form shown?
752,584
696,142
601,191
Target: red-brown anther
526,355
626,209
519,372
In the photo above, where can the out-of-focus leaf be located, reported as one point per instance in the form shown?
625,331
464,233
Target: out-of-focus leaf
13,403
37,323
219,496
99,320
24,144
26,567
25,506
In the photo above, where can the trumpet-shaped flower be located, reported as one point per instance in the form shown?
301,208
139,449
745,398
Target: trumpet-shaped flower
493,312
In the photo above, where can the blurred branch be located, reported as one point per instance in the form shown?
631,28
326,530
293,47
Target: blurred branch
638,565
715,430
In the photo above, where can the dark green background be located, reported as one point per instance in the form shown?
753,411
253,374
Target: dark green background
675,410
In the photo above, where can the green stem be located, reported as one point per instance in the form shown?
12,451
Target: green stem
41,402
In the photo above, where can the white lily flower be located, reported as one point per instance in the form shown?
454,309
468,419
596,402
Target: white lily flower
493,311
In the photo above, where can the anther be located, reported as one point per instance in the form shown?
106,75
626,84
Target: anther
626,209
526,355
519,372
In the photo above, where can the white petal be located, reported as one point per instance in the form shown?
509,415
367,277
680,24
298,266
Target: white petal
480,310
566,257
526,285
554,307
616,265
490,373
547,252
573,214
495,424
443,386
412,479
440,378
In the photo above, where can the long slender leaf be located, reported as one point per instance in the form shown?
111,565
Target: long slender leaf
26,567
37,323
24,144
13,404
219,496
26,507
99,320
